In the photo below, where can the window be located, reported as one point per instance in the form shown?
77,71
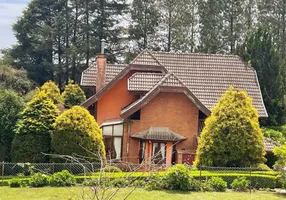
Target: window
159,153
136,115
112,137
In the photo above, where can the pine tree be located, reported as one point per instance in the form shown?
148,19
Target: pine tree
33,130
211,26
73,95
144,24
259,50
231,136
178,24
53,92
76,132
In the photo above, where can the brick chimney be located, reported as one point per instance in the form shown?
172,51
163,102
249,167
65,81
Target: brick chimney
101,71
101,68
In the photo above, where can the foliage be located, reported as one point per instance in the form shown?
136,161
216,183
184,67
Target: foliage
119,182
240,184
274,135
206,186
280,153
63,178
218,184
76,132
260,52
10,106
17,182
56,40
53,92
111,168
155,182
15,79
33,130
39,180
231,136
73,95
194,185
177,178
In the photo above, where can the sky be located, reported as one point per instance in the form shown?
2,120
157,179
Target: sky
10,10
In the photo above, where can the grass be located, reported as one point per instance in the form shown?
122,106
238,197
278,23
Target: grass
49,193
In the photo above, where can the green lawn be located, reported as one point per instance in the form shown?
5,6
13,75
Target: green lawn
48,193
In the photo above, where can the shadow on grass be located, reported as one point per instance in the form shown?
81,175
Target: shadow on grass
280,195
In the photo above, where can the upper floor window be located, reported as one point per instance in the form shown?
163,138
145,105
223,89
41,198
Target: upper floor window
112,137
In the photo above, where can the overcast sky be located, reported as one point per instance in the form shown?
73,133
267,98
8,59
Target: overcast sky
9,11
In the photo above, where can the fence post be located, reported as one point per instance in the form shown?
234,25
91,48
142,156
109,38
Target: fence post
250,179
3,165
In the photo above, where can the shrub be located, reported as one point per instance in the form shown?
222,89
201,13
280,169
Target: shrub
63,178
17,182
240,184
120,182
231,136
33,130
218,184
154,182
139,183
110,168
80,133
274,135
52,91
73,95
39,180
194,185
206,186
10,106
177,178
280,153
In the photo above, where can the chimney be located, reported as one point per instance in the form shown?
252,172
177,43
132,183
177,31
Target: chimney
101,68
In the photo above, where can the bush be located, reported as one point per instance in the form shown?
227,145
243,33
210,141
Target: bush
119,182
63,178
139,183
33,130
232,124
39,180
80,133
206,186
218,184
240,184
274,135
110,168
194,185
177,178
17,182
73,95
52,91
154,182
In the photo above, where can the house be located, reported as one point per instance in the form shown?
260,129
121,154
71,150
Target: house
155,106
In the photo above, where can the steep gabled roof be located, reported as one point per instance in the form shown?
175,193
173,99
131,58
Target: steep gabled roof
169,83
207,76
88,76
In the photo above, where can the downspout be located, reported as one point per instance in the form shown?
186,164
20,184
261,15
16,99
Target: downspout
129,122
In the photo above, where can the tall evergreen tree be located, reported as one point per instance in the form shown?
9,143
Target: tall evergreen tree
211,25
144,24
259,50
178,24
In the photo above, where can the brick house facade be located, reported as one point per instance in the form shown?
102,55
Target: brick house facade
152,110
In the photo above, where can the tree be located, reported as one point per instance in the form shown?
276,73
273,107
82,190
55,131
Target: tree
53,92
77,133
178,24
231,136
280,153
10,106
14,79
144,24
211,27
260,52
73,95
33,130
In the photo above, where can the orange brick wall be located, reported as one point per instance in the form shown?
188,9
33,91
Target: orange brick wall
173,110
109,106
